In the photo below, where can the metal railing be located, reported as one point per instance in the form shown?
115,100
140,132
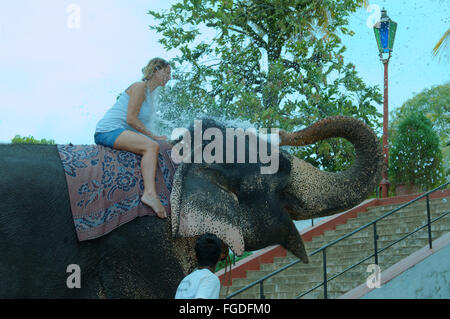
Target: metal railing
323,249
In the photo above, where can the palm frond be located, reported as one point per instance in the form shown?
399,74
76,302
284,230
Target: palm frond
441,43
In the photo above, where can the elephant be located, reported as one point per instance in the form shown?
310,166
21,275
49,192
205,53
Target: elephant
148,256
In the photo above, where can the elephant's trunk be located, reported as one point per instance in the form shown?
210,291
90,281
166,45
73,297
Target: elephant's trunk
312,193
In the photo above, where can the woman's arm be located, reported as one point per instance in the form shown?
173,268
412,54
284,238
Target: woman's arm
137,97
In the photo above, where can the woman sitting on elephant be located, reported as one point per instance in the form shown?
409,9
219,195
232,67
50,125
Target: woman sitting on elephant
129,123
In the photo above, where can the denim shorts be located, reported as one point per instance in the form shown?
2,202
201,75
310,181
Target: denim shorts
108,138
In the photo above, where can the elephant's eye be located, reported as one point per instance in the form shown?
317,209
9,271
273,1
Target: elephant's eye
229,191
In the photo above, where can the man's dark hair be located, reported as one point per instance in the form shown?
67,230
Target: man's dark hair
208,249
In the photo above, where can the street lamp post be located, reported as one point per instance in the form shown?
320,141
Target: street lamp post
385,34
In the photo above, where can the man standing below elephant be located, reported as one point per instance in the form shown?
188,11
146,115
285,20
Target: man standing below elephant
202,283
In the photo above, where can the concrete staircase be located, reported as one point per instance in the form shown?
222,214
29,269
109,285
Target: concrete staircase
301,277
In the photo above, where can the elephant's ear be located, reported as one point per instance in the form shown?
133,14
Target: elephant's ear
199,205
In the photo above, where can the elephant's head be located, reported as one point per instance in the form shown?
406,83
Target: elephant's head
248,210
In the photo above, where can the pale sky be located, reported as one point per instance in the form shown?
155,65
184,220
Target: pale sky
57,81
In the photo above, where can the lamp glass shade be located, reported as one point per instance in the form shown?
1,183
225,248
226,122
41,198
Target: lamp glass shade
392,31
378,38
385,34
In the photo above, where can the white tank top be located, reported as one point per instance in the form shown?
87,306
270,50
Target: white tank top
116,116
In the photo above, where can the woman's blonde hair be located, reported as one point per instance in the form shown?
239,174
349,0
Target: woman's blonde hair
153,65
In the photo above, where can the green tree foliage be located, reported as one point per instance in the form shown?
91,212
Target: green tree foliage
274,63
415,156
30,140
434,103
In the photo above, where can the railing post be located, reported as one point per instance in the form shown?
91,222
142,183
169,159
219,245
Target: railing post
261,290
430,240
375,244
325,288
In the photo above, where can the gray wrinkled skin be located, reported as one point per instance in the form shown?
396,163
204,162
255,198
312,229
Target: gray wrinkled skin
250,211
148,257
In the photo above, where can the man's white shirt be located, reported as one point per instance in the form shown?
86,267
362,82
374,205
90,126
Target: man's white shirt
201,283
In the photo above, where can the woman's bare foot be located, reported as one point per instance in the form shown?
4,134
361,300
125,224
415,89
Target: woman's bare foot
155,204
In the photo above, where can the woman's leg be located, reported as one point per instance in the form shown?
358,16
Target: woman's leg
139,144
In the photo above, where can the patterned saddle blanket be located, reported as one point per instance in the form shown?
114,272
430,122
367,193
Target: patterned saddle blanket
105,186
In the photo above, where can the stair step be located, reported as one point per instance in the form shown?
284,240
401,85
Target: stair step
299,272
336,251
346,257
365,237
369,216
404,212
417,204
412,216
435,210
293,289
384,231
415,210
297,284
332,266
388,229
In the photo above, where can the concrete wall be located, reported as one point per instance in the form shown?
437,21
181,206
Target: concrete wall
429,279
